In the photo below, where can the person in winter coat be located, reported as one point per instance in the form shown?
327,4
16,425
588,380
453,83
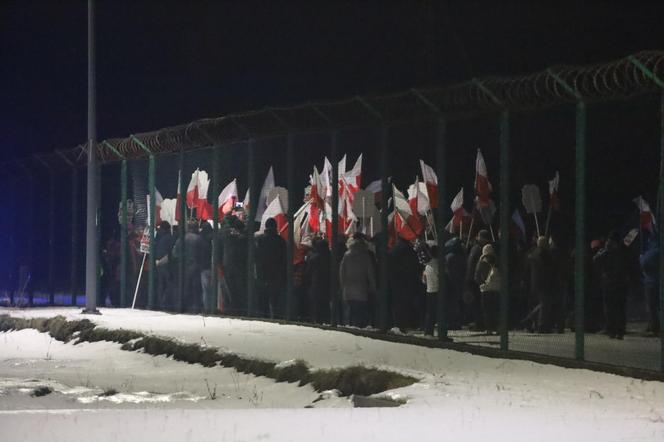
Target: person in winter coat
471,296
483,270
163,247
271,271
358,282
490,290
613,269
317,280
455,270
539,277
431,281
405,283
193,263
234,262
649,261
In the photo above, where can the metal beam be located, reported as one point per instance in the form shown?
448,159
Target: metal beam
335,259
443,301
290,246
372,110
250,227
383,267
92,233
51,230
505,220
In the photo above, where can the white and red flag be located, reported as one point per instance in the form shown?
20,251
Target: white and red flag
458,212
482,185
431,181
158,202
227,199
268,185
276,210
351,180
418,198
647,219
554,201
406,224
192,190
316,201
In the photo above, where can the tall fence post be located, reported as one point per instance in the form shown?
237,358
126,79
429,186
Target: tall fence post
580,231
213,301
383,266
251,226
336,310
441,170
580,214
93,182
660,226
290,246
153,222
505,220
182,231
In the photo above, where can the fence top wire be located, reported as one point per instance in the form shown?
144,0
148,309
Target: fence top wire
619,79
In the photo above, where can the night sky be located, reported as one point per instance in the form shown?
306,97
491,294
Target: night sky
162,63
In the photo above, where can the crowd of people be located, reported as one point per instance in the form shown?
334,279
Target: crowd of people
541,285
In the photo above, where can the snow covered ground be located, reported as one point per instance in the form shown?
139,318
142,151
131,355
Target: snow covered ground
459,396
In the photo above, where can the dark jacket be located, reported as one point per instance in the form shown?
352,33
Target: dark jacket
163,244
473,258
455,263
539,270
317,271
271,259
233,244
193,258
356,273
612,265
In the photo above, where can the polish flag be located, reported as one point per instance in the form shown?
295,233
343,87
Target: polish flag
268,185
482,185
352,180
276,210
158,202
316,201
227,199
204,210
407,225
326,179
431,181
554,201
418,198
647,218
169,211
192,190
458,212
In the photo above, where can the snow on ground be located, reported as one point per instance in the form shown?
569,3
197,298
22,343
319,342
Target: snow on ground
80,374
459,395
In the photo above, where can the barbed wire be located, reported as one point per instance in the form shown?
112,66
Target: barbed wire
619,79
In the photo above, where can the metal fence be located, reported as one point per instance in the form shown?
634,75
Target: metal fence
42,226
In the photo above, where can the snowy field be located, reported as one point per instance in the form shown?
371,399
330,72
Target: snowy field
459,396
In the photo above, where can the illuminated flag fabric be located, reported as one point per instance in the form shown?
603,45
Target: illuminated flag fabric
647,219
276,210
268,185
227,199
482,185
554,201
431,181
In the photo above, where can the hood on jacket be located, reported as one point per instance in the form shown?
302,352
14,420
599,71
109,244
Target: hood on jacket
488,250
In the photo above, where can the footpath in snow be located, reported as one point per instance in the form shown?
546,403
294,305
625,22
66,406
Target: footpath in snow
458,396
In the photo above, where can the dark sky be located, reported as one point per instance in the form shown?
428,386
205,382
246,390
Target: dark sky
167,62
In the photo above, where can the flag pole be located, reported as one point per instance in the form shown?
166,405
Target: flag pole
532,203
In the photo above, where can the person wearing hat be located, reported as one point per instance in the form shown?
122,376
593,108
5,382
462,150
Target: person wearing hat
612,266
